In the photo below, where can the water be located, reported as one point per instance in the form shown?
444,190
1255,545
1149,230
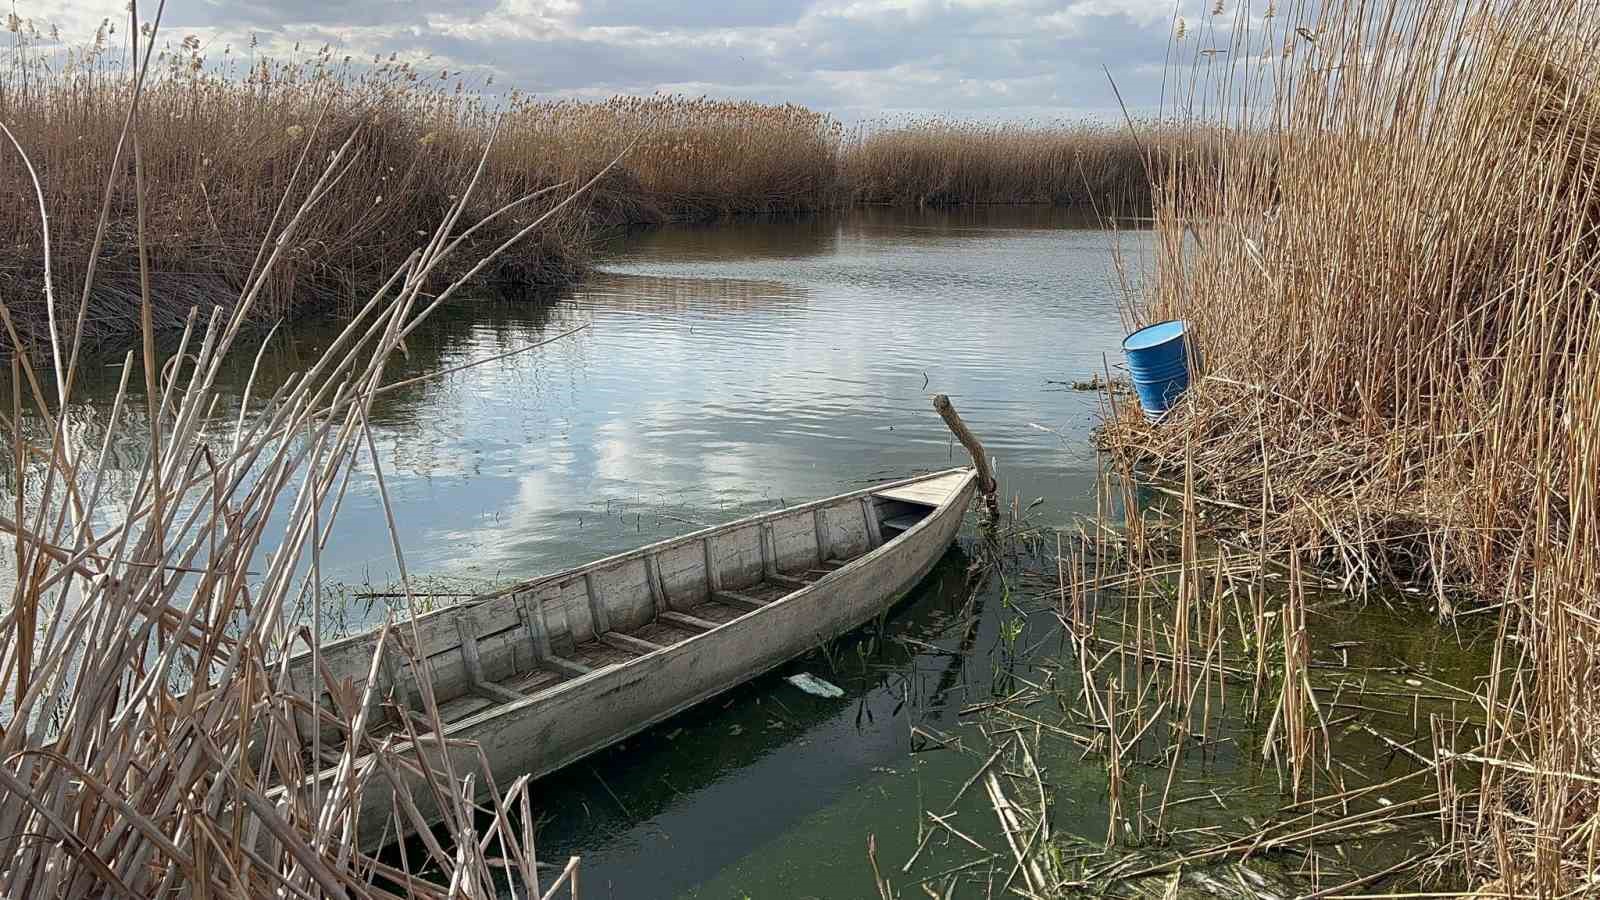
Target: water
726,370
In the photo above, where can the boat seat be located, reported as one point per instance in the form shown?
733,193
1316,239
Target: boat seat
902,523
623,641
931,492
688,621
737,599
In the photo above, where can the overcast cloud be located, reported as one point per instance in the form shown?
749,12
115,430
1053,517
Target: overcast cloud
858,59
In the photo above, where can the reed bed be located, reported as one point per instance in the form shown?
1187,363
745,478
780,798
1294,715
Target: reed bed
1392,293
946,162
684,158
150,743
224,137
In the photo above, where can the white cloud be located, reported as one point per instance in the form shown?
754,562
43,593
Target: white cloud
998,59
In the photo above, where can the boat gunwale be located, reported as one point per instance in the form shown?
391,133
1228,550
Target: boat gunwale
453,730
566,576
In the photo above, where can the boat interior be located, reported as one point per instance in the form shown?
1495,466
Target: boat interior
530,638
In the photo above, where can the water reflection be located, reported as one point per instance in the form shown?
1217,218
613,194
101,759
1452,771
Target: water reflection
684,294
778,238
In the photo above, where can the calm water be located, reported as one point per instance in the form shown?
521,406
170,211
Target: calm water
733,369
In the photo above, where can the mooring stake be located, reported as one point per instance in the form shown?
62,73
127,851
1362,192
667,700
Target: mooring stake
980,459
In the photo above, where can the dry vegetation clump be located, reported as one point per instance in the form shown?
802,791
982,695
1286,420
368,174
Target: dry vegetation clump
221,152
941,162
149,734
223,139
1394,296
686,158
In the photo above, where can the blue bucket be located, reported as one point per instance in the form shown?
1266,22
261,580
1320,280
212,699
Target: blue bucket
1158,363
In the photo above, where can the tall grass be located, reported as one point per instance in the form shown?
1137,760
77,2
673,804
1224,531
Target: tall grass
224,137
946,162
1393,292
148,733
687,158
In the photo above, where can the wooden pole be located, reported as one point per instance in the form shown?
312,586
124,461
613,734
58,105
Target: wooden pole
980,459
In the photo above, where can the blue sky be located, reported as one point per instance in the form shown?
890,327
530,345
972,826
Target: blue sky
859,59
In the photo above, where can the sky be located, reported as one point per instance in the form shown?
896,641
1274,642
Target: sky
857,59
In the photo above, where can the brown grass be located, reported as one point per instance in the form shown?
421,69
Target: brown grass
222,141
148,735
690,158
1394,296
944,162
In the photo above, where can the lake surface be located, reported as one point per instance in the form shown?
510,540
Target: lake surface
732,369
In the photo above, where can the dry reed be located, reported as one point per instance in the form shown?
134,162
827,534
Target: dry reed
149,740
1393,293
944,162
225,135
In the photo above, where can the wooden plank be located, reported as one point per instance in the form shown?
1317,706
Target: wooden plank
869,514
820,523
597,607
769,551
565,666
734,598
789,580
495,692
933,492
531,611
713,574
687,621
389,684
624,641
903,523
467,627
658,593
915,494
563,636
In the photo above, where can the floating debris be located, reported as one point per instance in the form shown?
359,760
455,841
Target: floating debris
815,686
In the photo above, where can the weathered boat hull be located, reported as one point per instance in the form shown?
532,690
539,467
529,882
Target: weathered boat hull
557,725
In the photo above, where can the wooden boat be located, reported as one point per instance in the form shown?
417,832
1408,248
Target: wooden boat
542,673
